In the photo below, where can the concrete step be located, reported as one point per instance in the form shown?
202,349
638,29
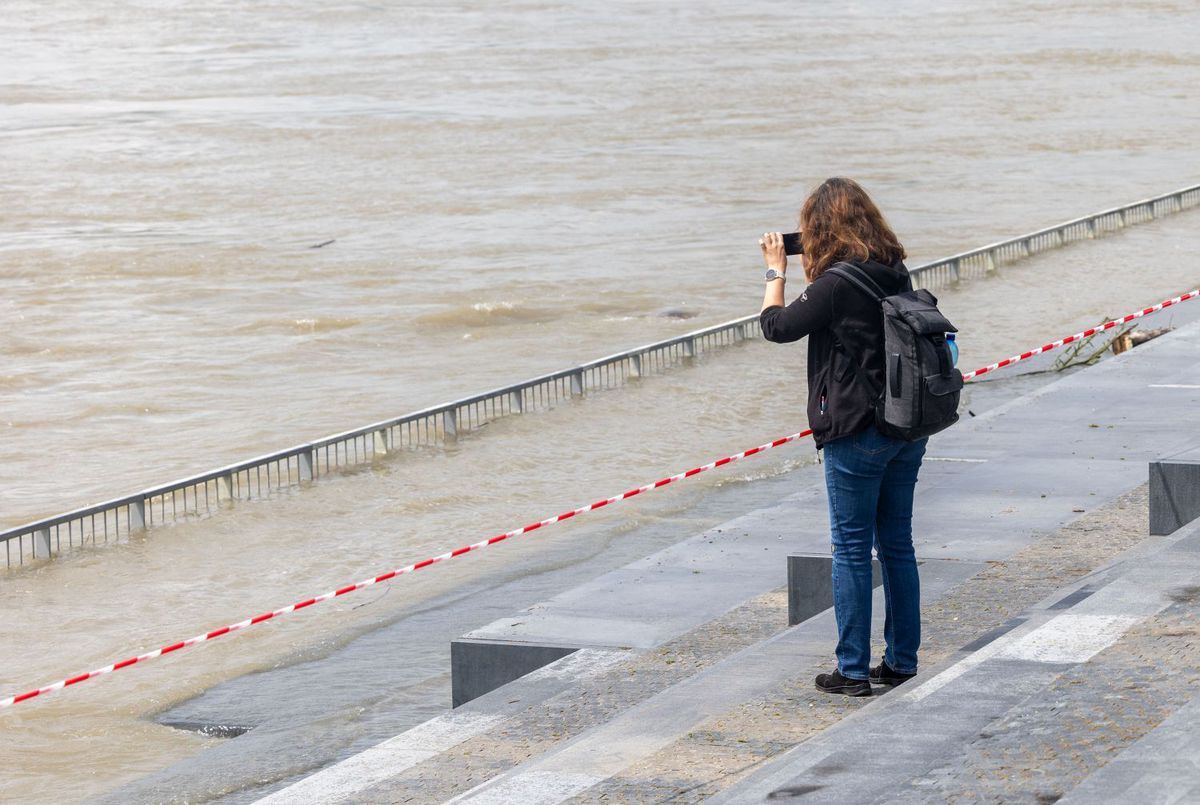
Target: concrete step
529,717
1163,766
649,602
1026,714
695,736
343,781
644,726
595,712
645,729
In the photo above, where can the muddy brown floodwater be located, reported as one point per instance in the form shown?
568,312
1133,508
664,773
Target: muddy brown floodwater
509,188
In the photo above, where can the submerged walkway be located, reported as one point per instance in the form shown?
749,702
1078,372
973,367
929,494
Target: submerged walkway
1047,605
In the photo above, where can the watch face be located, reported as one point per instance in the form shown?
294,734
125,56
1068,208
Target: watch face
772,274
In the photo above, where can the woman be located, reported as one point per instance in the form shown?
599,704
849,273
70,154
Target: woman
870,477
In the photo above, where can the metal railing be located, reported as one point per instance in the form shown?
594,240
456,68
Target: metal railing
200,495
979,262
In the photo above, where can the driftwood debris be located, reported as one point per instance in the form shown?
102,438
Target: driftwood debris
1135,338
1089,350
1140,337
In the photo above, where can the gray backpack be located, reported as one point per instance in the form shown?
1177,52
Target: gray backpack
922,387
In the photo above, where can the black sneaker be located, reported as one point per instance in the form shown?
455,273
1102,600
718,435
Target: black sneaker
836,683
883,674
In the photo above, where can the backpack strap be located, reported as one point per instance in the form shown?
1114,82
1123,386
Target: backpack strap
859,279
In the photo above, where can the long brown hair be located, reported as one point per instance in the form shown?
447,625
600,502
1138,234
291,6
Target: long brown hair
840,222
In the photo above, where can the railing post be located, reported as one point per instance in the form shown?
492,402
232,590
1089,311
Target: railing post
305,463
576,384
954,268
41,540
990,256
137,515
1091,227
381,441
1121,214
516,401
450,424
225,485
689,348
635,365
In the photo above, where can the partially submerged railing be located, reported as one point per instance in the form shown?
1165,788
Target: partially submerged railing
978,262
199,495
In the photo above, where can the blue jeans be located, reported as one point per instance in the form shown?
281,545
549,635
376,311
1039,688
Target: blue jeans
871,478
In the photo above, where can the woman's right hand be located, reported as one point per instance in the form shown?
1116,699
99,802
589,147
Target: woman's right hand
771,244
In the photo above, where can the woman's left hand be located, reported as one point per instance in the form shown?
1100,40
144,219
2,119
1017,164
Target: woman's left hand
771,244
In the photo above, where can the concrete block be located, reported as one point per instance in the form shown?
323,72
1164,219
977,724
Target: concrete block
224,490
480,666
137,515
1174,492
305,462
41,543
810,585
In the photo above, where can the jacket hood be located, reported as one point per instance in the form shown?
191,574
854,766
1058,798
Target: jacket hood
893,278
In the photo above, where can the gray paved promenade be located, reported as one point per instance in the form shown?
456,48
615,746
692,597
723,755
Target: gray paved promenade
1048,607
1046,604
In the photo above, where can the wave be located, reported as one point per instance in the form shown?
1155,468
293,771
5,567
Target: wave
306,326
19,382
487,314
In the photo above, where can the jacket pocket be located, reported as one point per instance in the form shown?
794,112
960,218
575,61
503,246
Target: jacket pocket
818,404
843,365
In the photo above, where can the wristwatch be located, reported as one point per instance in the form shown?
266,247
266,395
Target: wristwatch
772,274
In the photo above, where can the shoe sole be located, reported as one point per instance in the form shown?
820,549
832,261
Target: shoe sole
848,690
888,683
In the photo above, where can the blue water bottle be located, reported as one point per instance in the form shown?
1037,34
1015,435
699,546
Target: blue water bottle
953,349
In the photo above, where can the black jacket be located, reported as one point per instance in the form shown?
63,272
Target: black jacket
842,322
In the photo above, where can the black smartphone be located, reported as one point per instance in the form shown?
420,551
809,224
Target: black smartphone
791,243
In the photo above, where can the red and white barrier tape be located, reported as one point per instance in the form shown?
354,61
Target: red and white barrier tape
266,616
